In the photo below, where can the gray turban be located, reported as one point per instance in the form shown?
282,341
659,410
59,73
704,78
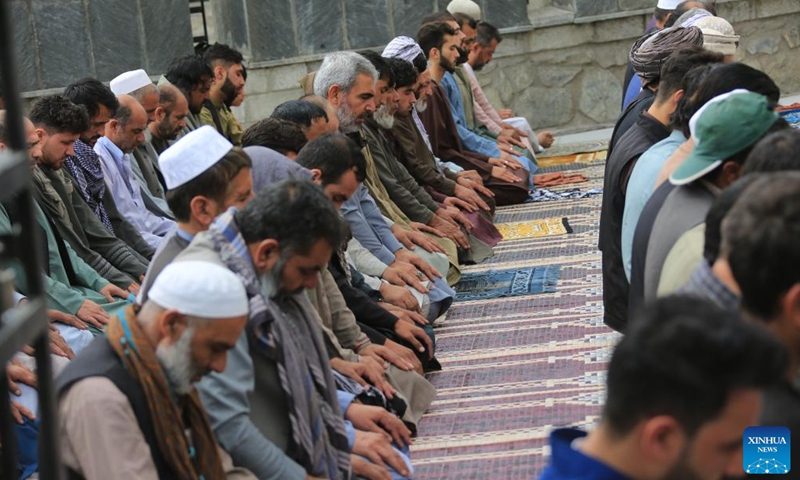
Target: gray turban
270,166
650,52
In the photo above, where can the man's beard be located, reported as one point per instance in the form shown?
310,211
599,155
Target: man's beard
47,161
347,118
422,104
195,109
176,361
166,131
446,64
272,283
478,66
681,470
384,118
91,141
229,92
463,56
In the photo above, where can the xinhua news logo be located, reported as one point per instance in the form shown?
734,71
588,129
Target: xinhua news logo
767,450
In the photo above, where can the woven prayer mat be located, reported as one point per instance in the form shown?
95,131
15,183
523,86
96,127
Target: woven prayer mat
572,158
514,368
549,227
559,149
507,283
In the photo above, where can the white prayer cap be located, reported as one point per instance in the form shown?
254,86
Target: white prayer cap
128,82
467,7
191,155
200,289
668,4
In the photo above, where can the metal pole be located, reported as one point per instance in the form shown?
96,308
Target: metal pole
13,104
49,459
7,435
50,467
205,26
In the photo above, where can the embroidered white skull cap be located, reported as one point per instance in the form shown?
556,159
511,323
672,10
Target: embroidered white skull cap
200,289
128,82
191,155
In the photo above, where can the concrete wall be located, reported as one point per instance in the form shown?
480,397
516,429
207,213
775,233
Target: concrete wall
565,70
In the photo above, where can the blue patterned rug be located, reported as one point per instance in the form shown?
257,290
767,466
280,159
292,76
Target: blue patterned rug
508,283
793,117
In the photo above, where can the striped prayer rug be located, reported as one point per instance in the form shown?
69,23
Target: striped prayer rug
514,368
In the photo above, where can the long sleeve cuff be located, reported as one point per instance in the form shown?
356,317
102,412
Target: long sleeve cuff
351,434
345,399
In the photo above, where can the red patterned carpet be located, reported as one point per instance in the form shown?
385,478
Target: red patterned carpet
516,367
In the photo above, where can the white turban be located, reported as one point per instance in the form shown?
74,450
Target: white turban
404,48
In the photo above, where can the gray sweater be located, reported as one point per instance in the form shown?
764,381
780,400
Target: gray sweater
245,403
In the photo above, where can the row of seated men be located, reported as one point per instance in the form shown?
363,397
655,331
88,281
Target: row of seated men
676,148
700,202
259,303
698,370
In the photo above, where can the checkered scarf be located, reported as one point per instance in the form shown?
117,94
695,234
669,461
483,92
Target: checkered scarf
294,341
85,169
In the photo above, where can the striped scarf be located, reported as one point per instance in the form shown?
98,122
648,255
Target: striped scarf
192,461
85,168
288,334
422,132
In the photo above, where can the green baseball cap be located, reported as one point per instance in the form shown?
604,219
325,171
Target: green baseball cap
726,125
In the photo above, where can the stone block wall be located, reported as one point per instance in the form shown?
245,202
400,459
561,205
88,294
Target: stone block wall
568,74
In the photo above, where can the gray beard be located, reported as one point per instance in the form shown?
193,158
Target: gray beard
176,361
347,119
384,118
271,282
421,105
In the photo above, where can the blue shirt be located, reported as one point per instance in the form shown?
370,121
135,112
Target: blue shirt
567,463
373,233
368,226
633,90
471,140
640,188
345,399
122,184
